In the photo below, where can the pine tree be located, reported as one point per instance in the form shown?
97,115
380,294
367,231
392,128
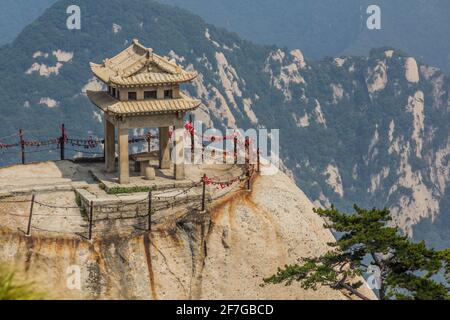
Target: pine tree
404,270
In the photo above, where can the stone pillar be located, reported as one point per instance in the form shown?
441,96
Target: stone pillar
124,166
160,93
164,152
176,92
178,152
110,146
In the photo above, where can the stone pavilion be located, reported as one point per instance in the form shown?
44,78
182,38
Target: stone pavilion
143,92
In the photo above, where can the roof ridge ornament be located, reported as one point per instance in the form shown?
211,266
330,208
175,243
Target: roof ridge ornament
107,62
150,53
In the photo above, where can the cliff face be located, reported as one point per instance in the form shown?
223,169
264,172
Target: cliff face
221,254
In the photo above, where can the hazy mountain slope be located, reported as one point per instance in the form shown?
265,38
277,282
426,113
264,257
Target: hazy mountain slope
321,28
16,14
330,27
318,27
367,130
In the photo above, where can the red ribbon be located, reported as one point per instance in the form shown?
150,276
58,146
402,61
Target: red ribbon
189,127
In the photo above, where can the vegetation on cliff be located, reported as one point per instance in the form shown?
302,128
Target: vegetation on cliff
11,288
399,268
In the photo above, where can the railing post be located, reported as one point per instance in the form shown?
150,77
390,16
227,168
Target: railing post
203,153
258,163
22,145
148,138
235,150
203,146
247,151
248,179
91,211
62,141
149,142
192,139
204,192
150,211
30,216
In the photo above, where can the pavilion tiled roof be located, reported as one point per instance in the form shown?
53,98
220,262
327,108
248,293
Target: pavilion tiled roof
140,66
110,105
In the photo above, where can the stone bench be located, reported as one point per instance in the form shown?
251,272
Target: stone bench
142,161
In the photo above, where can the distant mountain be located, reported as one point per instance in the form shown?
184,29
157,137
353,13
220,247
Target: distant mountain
16,14
369,130
330,27
321,28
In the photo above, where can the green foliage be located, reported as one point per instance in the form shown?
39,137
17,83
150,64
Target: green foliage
83,211
134,189
407,270
13,289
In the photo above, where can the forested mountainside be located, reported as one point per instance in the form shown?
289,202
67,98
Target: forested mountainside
321,28
369,130
16,14
329,27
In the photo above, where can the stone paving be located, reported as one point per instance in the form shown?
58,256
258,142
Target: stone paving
63,187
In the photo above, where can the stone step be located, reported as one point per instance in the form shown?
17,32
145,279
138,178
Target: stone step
15,191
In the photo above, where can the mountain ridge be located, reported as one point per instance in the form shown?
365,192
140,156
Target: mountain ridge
327,28
320,28
16,14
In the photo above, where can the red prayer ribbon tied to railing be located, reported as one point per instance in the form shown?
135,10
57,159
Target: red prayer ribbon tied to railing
93,143
189,127
217,138
90,143
221,184
64,139
6,145
148,137
42,143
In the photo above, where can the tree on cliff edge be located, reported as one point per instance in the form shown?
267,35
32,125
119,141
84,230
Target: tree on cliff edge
397,267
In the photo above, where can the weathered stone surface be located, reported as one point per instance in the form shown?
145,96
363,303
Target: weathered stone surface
222,254
150,173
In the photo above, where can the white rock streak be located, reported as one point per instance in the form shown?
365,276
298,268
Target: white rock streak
45,70
319,115
302,122
49,102
411,70
376,77
116,28
333,179
208,36
288,72
416,107
338,92
421,203
94,85
248,110
63,56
